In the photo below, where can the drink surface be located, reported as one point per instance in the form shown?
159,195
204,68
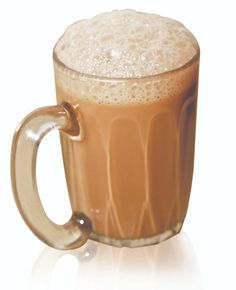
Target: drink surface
125,44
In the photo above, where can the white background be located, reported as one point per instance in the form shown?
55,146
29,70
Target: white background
204,255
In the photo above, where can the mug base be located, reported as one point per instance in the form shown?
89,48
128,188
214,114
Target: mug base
133,243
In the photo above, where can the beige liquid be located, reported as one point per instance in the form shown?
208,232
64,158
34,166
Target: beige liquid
132,174
134,76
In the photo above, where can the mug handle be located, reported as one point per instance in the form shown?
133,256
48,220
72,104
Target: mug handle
27,138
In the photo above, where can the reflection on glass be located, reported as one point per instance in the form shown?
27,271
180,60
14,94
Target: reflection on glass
169,265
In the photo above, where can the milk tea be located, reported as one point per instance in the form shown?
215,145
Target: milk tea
134,77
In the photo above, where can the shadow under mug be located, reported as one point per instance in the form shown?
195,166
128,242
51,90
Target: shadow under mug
128,152
171,265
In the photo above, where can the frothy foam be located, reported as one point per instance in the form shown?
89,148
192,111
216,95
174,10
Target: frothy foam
124,44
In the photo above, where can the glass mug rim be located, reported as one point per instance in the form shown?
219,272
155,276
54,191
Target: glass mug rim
162,75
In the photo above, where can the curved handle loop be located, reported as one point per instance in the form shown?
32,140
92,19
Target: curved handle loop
25,145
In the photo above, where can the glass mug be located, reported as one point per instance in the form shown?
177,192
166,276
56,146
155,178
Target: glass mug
128,167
